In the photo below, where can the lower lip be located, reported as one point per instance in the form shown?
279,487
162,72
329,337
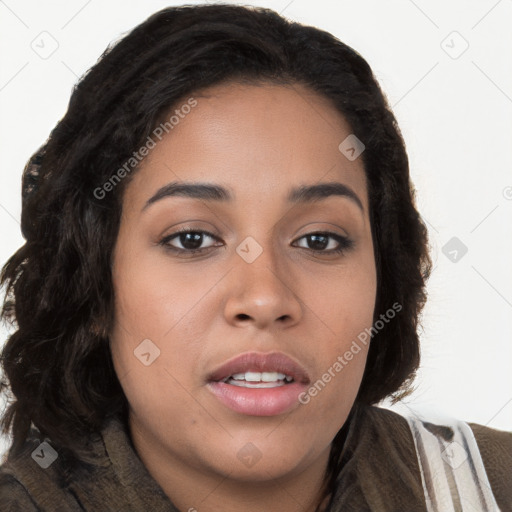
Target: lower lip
258,401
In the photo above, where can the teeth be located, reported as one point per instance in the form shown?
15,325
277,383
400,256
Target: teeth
259,377
245,384
253,376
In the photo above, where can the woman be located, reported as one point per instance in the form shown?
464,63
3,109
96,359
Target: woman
223,274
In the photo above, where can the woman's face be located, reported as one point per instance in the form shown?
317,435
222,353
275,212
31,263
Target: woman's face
216,350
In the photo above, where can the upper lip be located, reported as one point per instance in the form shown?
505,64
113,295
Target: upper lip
256,361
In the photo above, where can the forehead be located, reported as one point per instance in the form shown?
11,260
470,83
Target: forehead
256,140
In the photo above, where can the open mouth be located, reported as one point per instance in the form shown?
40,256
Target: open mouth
258,380
259,384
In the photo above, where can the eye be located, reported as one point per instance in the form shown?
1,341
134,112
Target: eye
319,241
190,240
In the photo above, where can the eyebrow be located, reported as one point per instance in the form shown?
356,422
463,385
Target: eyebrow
211,192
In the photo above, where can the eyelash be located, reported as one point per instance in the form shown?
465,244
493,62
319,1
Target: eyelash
344,242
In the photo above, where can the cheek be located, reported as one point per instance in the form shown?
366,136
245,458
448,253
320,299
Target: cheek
154,296
154,346
343,301
157,333
344,309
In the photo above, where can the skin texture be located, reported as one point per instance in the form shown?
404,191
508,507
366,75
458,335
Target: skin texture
259,141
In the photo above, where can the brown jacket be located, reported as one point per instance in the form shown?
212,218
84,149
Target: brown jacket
379,472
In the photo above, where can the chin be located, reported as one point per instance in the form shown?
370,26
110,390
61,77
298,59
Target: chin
260,460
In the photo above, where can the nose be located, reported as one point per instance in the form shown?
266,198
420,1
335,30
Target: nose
261,293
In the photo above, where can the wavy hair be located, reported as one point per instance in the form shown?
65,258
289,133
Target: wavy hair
59,293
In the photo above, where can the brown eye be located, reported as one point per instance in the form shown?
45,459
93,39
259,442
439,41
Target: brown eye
321,241
190,241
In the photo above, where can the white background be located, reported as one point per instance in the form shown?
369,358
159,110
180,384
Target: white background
454,110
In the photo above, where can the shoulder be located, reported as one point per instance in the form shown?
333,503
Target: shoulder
109,476
495,447
389,426
14,496
38,476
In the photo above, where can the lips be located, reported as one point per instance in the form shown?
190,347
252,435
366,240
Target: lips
259,384
257,362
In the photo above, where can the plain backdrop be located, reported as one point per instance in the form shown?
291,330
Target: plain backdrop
446,70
